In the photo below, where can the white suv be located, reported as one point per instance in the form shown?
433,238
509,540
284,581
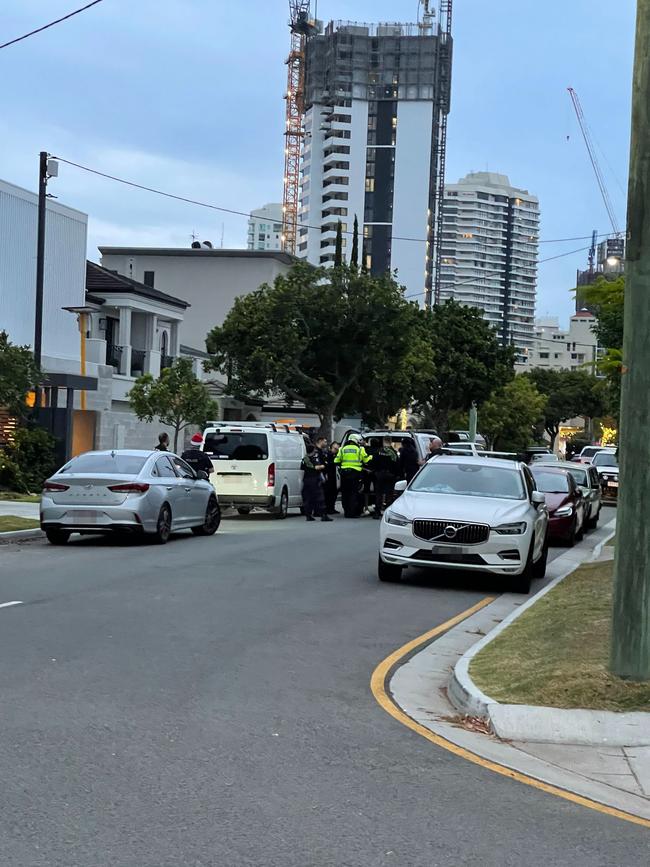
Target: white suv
460,513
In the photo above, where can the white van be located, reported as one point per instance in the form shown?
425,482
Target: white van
256,464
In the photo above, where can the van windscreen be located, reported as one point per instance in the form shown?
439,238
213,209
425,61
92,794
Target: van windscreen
237,446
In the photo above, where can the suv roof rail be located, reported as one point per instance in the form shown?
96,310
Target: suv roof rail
270,425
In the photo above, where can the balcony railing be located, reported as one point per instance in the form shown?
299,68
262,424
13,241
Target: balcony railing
166,361
114,355
137,362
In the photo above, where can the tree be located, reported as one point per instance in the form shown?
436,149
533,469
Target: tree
468,362
336,340
508,416
19,374
178,398
338,249
569,393
607,299
354,255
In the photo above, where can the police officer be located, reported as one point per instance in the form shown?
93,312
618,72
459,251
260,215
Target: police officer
351,458
196,457
163,442
385,464
313,499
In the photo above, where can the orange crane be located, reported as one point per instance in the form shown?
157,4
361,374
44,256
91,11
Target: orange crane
301,27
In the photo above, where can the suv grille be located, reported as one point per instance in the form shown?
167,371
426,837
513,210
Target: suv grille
465,534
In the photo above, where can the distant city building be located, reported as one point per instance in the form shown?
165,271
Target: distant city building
265,227
376,96
490,240
609,262
554,348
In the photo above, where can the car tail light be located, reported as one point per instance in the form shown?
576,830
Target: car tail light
270,479
129,488
54,486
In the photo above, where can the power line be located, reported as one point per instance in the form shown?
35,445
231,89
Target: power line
51,24
246,214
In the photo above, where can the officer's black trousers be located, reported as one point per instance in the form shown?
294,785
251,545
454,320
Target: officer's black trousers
351,493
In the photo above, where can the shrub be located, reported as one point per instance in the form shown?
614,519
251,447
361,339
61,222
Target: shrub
10,476
32,452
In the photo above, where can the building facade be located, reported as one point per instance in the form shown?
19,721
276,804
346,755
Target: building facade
490,239
265,227
555,348
375,98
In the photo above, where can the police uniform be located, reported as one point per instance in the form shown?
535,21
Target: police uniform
386,466
313,500
351,458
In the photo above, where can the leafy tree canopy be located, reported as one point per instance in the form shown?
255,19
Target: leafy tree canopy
509,415
569,393
338,341
19,374
178,398
607,299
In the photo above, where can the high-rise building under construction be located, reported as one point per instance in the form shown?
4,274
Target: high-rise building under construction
376,98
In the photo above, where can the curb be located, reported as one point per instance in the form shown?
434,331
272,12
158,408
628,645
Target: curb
21,534
544,724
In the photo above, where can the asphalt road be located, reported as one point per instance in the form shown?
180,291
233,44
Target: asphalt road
207,704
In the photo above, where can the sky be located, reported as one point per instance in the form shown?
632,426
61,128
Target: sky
186,96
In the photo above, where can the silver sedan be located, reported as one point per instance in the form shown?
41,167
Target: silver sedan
144,492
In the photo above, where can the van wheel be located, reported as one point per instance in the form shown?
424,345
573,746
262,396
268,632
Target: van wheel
283,509
243,510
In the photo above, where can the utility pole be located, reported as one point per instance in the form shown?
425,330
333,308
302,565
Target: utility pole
630,651
40,257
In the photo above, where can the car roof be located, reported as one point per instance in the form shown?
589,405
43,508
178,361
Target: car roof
503,463
551,467
562,465
140,453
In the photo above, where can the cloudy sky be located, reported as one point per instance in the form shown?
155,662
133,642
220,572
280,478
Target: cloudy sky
186,95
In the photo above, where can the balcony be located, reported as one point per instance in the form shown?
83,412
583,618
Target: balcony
138,357
114,355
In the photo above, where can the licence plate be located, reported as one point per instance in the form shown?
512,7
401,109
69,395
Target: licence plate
442,553
83,516
612,484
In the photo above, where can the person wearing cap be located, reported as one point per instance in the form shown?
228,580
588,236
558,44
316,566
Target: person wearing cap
352,458
196,457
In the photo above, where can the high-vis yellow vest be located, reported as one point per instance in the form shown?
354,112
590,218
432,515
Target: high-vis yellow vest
352,457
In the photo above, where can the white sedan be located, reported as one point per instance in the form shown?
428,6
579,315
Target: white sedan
460,513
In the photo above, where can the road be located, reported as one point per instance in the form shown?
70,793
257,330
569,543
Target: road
207,704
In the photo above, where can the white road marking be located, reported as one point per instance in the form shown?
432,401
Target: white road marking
8,604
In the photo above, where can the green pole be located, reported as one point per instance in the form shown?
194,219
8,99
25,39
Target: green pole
630,651
473,422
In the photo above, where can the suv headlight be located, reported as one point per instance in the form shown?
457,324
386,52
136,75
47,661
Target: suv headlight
564,512
511,529
397,519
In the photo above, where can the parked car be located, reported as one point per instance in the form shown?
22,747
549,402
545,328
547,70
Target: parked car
420,438
543,457
256,464
534,453
461,513
606,464
566,505
587,480
149,492
588,453
463,436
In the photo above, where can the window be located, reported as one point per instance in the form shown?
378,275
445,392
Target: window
237,446
552,482
165,468
184,470
469,480
148,278
112,463
544,355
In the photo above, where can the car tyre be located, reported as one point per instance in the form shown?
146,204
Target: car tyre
539,568
388,572
163,526
57,537
212,519
592,523
243,510
283,509
521,583
572,537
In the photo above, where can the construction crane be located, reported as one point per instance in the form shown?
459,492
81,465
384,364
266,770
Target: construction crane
602,186
301,28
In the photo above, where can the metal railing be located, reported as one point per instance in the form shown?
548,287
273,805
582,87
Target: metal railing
166,361
137,361
114,355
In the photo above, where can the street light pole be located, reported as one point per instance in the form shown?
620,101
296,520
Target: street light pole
630,651
40,257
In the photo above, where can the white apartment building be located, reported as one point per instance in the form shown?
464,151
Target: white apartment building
490,240
375,98
265,227
556,348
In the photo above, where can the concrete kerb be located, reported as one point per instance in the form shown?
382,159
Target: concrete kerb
543,724
21,534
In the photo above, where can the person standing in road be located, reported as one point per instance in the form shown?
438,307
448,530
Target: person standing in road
385,464
435,448
163,442
196,457
313,501
408,459
331,480
351,458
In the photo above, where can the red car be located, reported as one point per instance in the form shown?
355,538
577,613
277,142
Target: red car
566,506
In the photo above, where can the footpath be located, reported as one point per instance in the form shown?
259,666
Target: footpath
596,756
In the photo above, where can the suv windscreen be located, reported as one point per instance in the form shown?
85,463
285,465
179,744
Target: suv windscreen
121,465
240,446
469,480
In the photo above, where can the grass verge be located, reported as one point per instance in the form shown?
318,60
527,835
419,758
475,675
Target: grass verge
9,523
556,653
19,498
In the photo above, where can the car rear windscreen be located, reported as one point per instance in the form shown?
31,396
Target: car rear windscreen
121,465
237,446
469,480
579,476
551,483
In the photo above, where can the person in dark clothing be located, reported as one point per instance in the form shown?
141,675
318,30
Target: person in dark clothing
408,459
163,442
385,464
313,501
368,493
331,489
196,457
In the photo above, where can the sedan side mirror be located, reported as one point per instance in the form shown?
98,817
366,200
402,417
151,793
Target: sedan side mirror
202,475
400,486
538,498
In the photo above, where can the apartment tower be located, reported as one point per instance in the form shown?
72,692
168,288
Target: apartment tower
376,99
489,252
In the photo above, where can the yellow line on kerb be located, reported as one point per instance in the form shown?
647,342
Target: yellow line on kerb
379,688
